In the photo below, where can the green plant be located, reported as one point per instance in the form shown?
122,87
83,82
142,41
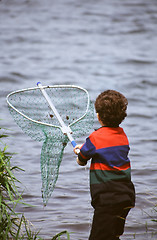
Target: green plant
10,222
61,233
155,210
9,196
13,226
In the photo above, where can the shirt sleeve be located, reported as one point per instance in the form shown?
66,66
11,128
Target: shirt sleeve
87,151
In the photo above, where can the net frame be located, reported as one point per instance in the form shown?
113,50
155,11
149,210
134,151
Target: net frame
64,138
44,87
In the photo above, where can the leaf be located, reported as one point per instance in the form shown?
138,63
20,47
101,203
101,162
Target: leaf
19,228
3,135
61,233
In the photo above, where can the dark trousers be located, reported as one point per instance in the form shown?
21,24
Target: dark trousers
108,223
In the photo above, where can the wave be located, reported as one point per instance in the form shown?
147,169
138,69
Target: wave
8,80
138,61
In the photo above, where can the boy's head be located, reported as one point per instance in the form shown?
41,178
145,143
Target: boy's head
111,107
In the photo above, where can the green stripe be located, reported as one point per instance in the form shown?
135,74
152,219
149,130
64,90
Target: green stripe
99,176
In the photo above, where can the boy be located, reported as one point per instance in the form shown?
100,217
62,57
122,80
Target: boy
112,191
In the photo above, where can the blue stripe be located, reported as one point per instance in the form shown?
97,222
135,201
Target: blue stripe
88,149
112,156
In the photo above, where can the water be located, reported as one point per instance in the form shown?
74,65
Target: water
97,45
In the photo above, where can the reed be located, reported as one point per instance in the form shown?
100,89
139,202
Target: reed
155,210
9,195
13,226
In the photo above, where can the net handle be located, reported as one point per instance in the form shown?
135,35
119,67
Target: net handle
66,130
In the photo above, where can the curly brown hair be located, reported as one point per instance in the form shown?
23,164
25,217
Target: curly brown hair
111,107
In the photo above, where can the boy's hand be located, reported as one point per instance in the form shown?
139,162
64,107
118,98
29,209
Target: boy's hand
76,148
76,151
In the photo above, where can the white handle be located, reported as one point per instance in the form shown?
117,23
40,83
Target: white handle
66,130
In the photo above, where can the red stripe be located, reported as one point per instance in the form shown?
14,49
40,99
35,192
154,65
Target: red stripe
104,167
108,137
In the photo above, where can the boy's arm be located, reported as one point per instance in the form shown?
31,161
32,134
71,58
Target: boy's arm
81,163
87,151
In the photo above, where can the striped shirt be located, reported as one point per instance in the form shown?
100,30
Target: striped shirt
110,171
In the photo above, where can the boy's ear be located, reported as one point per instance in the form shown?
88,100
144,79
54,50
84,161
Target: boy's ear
98,116
102,124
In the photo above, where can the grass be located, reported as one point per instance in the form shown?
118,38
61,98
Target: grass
14,226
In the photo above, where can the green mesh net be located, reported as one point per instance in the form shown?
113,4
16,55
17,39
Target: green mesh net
35,117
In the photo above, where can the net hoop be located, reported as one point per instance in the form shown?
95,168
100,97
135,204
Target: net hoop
55,117
44,87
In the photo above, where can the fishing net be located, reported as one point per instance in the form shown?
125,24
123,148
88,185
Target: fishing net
32,112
